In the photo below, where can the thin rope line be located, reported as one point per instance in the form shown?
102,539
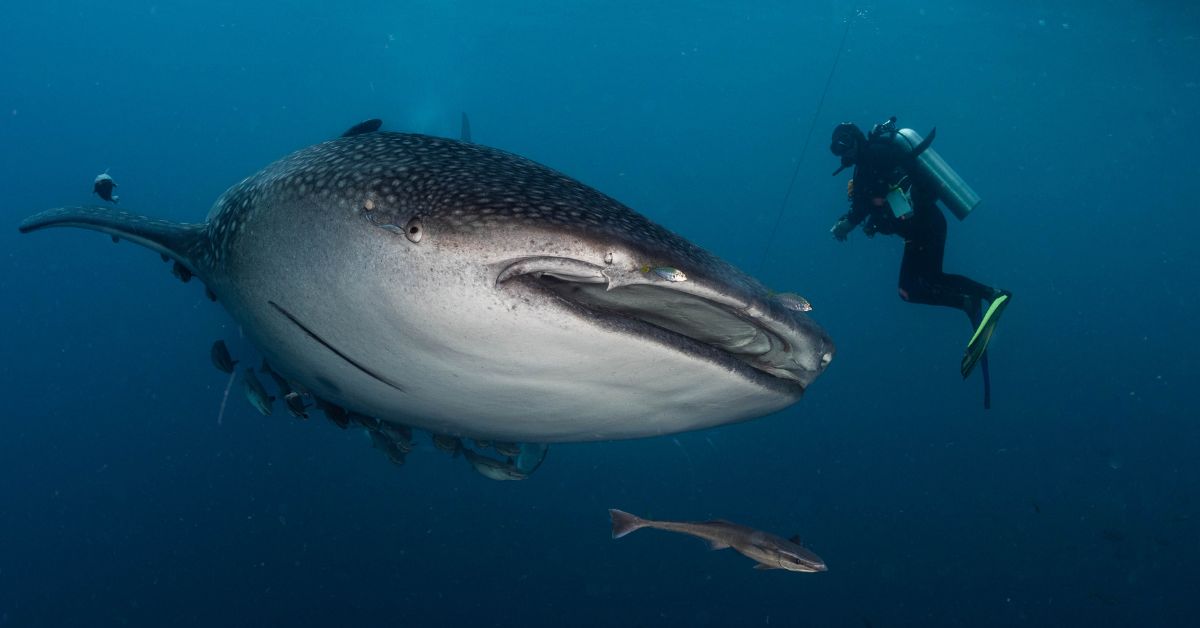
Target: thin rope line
803,151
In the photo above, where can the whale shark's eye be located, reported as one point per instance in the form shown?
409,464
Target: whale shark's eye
413,230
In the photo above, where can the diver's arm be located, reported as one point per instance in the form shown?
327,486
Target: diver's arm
859,210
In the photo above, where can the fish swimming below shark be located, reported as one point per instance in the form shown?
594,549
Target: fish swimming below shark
471,292
256,393
494,469
767,550
221,358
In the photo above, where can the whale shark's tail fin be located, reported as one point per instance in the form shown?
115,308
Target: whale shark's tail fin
179,241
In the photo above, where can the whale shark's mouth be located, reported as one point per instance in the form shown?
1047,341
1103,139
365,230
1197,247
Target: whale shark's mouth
699,315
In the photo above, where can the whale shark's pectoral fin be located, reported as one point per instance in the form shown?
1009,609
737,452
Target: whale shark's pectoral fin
179,241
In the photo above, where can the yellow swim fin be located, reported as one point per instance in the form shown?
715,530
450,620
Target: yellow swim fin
983,334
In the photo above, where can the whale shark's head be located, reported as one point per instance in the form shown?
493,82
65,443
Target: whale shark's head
508,300
473,292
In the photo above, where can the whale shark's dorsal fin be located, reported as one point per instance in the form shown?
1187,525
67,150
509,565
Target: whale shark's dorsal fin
366,126
179,241
465,129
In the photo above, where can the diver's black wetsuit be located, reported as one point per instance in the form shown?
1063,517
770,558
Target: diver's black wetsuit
877,165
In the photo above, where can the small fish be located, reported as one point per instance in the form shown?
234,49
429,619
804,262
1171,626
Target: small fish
508,450
256,393
221,358
294,402
335,413
182,272
399,434
494,469
380,441
483,444
103,187
369,422
449,444
794,302
767,550
674,275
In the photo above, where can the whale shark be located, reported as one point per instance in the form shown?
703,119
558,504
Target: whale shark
472,292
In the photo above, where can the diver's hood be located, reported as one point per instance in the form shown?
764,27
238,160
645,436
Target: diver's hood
847,140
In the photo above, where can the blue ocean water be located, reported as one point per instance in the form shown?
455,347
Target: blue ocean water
1074,501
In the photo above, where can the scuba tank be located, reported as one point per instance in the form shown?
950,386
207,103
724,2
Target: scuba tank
952,190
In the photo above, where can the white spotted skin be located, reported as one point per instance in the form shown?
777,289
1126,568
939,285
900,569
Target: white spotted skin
321,233
473,359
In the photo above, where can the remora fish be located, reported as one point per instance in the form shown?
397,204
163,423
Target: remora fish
280,382
767,550
256,393
292,400
494,469
295,405
221,358
463,289
508,450
335,413
401,435
449,444
390,448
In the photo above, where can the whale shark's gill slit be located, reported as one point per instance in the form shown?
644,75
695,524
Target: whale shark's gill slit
348,359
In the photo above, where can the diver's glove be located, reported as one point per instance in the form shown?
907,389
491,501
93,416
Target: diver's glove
841,229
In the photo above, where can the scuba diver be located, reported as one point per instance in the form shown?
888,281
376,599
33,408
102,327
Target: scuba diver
897,182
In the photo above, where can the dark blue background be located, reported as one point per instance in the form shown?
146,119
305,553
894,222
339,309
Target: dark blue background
1073,502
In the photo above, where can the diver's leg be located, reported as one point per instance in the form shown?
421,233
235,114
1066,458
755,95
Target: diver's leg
921,276
968,287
